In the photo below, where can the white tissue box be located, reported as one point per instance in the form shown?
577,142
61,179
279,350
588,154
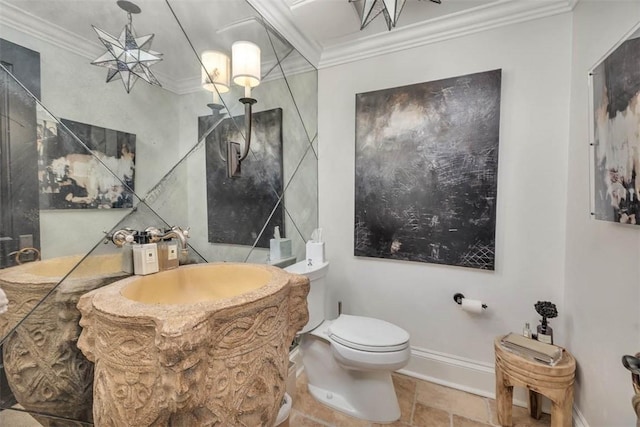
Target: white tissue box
315,252
279,249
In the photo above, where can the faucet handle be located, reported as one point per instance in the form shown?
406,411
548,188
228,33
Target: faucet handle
120,237
154,234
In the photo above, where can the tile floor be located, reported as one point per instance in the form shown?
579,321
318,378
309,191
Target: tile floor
422,404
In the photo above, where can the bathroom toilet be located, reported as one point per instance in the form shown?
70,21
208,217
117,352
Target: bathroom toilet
349,360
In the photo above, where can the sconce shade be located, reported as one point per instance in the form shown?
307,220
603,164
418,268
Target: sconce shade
216,71
246,64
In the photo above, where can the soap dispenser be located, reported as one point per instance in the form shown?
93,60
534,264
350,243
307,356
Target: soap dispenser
168,254
145,257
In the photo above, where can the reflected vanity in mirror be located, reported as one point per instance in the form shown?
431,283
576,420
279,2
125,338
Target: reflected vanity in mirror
171,124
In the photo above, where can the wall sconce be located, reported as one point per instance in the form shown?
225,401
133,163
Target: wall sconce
216,75
245,72
244,68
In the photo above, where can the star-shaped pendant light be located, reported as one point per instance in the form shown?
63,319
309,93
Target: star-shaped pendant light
128,57
370,9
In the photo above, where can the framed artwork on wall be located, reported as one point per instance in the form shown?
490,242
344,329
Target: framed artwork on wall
84,166
426,171
239,208
615,137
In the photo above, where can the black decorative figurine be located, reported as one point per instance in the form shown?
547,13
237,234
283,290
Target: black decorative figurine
547,310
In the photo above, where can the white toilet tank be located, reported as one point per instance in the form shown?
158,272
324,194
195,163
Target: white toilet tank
317,292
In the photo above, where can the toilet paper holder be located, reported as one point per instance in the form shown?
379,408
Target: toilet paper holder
458,297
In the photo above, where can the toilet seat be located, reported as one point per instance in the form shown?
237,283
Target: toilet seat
368,334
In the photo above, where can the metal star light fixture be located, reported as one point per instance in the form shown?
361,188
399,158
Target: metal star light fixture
370,9
128,57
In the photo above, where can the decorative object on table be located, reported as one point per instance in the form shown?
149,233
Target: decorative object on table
547,310
526,331
532,349
238,208
615,84
81,166
370,9
426,171
128,57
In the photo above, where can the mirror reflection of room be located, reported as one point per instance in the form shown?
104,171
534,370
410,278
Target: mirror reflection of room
114,151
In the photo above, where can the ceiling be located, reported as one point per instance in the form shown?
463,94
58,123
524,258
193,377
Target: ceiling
325,32
328,32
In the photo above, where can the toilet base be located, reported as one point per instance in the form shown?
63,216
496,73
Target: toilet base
388,413
368,395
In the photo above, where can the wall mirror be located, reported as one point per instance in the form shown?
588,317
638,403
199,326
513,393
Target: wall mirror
82,157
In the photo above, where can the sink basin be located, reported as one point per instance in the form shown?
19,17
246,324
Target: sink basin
204,344
42,349
191,285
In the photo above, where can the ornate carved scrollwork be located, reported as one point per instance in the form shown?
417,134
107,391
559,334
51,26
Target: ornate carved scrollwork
225,367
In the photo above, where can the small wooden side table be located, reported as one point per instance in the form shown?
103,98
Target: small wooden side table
554,382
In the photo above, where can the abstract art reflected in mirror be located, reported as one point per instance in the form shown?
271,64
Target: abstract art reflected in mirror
240,210
427,171
615,107
97,173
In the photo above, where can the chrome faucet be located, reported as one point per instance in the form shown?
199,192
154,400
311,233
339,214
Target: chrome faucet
155,235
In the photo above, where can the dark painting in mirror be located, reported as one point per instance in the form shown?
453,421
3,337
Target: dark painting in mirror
238,208
426,171
84,166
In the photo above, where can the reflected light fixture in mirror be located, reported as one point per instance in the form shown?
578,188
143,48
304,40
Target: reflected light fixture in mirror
216,75
245,72
128,57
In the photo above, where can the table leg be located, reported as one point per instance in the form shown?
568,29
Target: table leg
535,404
504,398
562,410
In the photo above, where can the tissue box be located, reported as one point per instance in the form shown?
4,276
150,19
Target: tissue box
279,249
315,252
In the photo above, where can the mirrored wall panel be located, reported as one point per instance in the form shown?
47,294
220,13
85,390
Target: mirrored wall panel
120,121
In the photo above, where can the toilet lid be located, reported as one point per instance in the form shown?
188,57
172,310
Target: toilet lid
367,334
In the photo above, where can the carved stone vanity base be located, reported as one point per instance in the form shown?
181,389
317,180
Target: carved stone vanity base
206,361
45,370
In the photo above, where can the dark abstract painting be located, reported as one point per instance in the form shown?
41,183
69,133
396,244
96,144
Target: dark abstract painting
426,171
239,208
84,166
616,141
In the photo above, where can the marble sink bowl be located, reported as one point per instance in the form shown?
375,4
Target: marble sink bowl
45,370
200,345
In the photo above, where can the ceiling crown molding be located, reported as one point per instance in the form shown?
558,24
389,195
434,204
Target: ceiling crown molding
493,15
279,16
24,22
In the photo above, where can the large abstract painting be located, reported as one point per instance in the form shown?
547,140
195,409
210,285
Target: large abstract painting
239,208
426,171
84,166
616,139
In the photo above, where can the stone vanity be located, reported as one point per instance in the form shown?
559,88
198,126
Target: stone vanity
201,345
45,370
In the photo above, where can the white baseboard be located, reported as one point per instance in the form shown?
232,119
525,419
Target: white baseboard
578,418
